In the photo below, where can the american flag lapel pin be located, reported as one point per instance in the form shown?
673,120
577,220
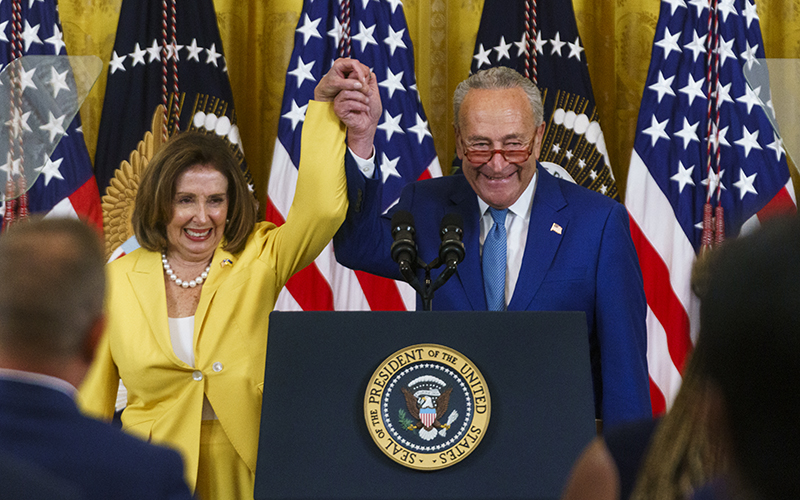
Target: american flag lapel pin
556,228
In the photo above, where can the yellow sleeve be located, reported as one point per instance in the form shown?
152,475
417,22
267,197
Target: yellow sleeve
98,392
320,201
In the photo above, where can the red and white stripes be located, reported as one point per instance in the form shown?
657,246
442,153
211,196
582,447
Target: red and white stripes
325,285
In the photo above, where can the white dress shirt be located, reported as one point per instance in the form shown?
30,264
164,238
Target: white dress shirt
517,222
367,167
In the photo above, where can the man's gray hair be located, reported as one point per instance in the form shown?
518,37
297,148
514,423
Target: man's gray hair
52,286
499,77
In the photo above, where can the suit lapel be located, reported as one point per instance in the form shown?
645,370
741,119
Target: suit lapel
223,265
547,225
465,202
147,282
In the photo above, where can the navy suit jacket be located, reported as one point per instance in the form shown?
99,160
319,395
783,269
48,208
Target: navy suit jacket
20,480
578,257
43,427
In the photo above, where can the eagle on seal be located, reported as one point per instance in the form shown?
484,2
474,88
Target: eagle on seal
426,411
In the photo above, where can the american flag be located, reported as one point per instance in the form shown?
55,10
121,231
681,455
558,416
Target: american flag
539,38
375,34
65,186
703,134
136,74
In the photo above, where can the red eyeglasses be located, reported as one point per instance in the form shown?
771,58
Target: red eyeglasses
513,154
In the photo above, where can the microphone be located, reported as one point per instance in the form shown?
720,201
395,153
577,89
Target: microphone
451,250
404,249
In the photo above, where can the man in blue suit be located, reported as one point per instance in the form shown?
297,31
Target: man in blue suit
565,248
52,288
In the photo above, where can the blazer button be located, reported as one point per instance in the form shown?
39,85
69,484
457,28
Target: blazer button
197,375
217,367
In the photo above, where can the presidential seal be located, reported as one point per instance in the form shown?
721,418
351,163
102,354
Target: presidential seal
427,406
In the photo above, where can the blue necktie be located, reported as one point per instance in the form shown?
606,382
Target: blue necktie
494,262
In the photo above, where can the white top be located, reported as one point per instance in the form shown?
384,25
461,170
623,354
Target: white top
181,333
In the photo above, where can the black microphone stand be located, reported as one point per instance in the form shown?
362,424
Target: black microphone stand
426,289
450,254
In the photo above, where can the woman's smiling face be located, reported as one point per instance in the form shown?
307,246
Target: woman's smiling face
199,211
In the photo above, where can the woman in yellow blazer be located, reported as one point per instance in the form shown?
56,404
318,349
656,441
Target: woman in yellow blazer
188,312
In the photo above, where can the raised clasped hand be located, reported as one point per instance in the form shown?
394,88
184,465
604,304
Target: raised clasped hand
353,88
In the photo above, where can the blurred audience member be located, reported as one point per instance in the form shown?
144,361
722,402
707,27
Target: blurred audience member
749,350
664,459
52,286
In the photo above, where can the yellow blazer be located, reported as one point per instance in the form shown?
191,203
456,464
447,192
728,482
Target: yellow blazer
165,395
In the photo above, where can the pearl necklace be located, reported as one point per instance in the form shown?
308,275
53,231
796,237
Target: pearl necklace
184,284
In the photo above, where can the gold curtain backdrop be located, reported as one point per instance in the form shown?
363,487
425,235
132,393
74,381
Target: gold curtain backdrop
258,36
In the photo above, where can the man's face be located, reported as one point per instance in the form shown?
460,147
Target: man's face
493,120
